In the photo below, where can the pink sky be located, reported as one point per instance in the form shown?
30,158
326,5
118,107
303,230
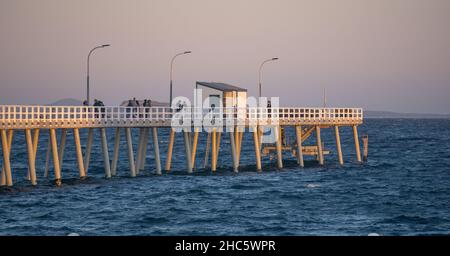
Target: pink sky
378,54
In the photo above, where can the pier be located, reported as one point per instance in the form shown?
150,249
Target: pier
234,122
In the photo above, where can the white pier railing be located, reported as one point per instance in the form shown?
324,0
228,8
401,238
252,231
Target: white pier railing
20,116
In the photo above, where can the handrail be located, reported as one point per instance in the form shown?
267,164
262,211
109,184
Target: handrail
24,113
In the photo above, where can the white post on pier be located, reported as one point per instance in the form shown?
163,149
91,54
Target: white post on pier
156,149
55,157
338,145
130,152
116,152
76,136
298,131
31,158
6,158
105,153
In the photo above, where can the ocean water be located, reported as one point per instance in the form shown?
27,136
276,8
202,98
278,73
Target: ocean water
403,189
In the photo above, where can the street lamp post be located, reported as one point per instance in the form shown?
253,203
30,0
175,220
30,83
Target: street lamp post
88,58
171,71
260,68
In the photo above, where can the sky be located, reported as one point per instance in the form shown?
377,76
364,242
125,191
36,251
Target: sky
391,55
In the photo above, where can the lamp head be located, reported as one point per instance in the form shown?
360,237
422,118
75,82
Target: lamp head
186,52
274,58
106,45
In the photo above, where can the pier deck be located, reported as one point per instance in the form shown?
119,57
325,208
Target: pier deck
235,121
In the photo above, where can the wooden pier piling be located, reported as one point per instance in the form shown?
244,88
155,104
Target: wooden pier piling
130,152
214,150
116,152
62,146
31,157
194,147
170,149
338,145
257,149
56,166
76,136
298,132
279,148
365,140
106,162
6,160
319,145
156,151
10,136
187,148
87,155
233,152
356,139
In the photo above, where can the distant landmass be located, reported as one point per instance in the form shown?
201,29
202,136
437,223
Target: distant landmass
67,102
388,114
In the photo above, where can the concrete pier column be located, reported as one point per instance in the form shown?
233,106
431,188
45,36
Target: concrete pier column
76,136
233,152
31,159
257,149
105,153
338,145
10,135
187,148
356,138
319,145
214,150
298,132
170,149
116,152
156,150
130,152
62,146
194,147
56,167
6,157
87,155
279,149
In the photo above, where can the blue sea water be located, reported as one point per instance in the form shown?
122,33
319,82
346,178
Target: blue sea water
403,189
